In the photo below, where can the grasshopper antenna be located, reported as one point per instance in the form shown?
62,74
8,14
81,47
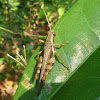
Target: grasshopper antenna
57,22
46,16
48,19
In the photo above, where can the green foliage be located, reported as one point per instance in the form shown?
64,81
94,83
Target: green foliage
79,26
1,61
84,84
61,11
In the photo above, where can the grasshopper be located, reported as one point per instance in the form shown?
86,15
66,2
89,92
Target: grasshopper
46,61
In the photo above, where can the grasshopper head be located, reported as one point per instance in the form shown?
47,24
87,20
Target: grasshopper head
52,33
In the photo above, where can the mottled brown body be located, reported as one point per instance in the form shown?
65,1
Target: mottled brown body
47,55
46,62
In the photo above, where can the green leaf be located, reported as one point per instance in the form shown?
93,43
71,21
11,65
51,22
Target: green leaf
1,61
85,83
61,11
2,18
81,27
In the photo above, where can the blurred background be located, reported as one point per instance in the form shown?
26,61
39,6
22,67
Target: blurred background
20,20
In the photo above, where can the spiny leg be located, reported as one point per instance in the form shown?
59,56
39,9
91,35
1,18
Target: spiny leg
39,54
39,67
61,44
61,60
48,68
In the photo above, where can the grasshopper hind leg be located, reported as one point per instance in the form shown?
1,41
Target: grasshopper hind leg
48,68
61,60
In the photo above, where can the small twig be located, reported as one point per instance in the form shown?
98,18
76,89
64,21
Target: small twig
7,30
24,61
38,36
22,58
15,59
25,53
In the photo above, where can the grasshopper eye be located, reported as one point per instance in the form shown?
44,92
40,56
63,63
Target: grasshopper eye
54,34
